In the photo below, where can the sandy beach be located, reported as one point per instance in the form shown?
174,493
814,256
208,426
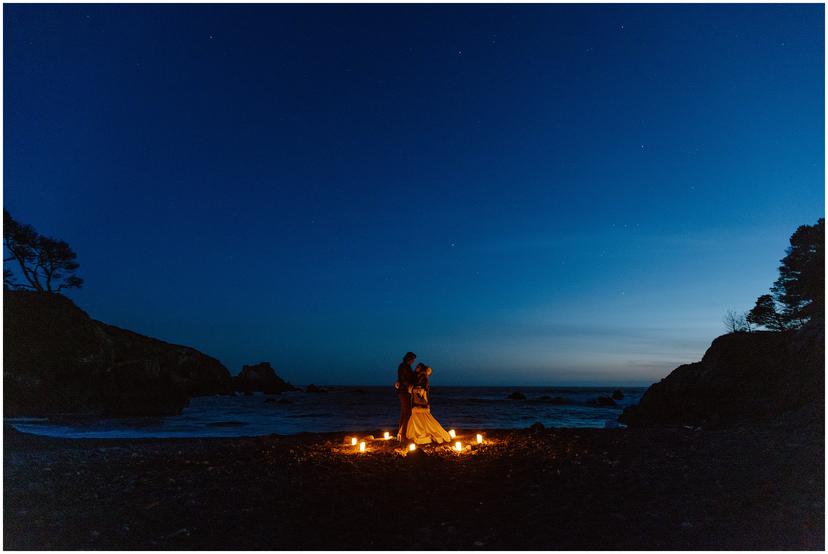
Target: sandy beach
756,487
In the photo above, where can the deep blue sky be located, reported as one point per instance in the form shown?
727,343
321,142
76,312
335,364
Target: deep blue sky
520,194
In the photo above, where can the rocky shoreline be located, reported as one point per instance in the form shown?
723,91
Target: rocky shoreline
747,487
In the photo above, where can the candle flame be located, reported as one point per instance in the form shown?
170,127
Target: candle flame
386,436
411,447
353,441
457,446
479,438
452,434
362,446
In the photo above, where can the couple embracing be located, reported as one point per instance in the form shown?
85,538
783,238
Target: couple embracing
416,422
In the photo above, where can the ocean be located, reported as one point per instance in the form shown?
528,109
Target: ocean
367,410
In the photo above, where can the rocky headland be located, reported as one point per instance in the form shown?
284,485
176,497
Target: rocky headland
58,360
743,377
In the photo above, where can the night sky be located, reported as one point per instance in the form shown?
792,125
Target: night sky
541,194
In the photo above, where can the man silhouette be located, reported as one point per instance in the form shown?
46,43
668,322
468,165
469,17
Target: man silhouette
405,382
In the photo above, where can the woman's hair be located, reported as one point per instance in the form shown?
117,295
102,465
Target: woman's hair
424,368
409,356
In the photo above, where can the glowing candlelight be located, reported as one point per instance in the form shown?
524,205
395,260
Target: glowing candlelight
386,435
353,441
362,446
412,447
479,438
457,446
452,434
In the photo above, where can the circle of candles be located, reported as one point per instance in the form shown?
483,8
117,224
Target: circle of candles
386,435
457,446
362,446
452,434
479,438
353,441
412,447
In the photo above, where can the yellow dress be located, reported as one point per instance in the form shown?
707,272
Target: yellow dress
422,426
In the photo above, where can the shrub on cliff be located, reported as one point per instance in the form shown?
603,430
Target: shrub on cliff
46,264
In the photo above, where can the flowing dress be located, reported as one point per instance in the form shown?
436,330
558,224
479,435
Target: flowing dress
422,427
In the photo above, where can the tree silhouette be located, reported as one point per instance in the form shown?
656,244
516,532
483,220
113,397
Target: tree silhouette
800,288
47,264
764,313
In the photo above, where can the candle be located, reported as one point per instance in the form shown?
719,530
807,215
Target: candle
412,447
353,441
386,436
457,446
362,446
452,434
479,438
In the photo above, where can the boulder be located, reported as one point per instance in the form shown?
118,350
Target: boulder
743,377
517,396
546,399
313,388
537,427
57,359
260,377
617,394
602,401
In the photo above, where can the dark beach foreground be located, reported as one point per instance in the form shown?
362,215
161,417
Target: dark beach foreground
755,487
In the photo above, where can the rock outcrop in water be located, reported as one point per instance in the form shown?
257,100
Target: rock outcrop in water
57,359
604,401
742,377
261,377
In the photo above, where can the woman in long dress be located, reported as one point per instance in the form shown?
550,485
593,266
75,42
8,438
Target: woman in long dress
422,427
